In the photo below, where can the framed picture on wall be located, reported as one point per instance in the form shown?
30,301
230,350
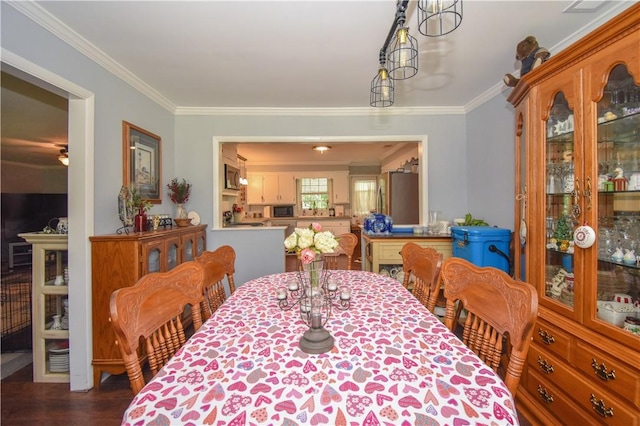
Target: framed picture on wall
142,162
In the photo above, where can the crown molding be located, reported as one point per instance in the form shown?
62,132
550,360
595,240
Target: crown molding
368,111
42,17
52,24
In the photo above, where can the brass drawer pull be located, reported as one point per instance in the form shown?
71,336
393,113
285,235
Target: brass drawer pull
601,371
547,339
600,408
544,365
544,395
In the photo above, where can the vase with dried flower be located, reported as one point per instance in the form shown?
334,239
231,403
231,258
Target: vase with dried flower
179,192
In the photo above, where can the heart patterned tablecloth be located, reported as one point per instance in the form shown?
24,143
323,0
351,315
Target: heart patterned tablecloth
393,363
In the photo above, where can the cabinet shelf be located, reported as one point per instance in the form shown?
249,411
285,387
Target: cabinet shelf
49,260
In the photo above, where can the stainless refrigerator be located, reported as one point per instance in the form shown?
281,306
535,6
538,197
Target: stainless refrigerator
402,198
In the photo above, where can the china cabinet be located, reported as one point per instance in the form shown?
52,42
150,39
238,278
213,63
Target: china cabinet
50,315
121,260
578,218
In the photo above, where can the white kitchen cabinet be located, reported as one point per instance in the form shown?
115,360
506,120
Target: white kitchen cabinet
230,154
271,188
255,193
340,187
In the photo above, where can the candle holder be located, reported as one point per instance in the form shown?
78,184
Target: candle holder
315,294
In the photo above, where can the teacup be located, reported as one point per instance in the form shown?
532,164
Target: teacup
384,272
622,298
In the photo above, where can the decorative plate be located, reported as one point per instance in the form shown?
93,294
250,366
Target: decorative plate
195,217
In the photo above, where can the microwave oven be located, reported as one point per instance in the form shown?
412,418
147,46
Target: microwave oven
231,177
282,211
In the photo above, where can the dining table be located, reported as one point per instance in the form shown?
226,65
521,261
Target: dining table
393,363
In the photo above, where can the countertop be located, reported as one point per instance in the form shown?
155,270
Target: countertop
407,235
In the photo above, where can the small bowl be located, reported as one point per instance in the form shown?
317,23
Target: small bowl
182,222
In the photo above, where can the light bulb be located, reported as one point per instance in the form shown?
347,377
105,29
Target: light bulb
384,83
402,47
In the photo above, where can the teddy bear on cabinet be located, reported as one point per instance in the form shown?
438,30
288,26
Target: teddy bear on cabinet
530,55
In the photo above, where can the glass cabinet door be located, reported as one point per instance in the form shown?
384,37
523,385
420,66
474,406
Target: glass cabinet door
561,208
152,253
618,198
173,252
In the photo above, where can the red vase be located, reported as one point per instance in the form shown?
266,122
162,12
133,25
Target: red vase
140,220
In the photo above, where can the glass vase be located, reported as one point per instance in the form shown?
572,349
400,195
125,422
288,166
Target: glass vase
181,212
140,220
314,271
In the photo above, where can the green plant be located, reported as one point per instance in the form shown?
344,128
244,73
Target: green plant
136,201
470,221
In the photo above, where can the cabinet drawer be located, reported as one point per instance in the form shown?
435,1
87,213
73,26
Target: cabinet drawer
609,372
593,398
554,400
552,339
390,252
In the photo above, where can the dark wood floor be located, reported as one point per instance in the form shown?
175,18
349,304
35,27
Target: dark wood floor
25,402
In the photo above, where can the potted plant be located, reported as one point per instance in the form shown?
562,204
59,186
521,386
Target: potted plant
179,192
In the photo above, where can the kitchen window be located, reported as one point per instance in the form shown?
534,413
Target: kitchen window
364,195
314,193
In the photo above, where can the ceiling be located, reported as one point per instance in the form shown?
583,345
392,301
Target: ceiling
309,54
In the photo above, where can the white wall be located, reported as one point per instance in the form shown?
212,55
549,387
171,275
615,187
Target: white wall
446,135
111,101
490,154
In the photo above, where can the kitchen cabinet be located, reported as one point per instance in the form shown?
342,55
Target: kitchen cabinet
230,154
577,152
120,260
341,187
383,251
50,317
271,188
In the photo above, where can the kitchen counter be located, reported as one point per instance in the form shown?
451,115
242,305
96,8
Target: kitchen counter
407,235
383,251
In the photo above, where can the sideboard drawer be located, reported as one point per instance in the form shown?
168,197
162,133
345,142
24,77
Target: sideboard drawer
554,400
553,339
609,372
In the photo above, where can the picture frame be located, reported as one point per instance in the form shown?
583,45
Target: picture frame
142,162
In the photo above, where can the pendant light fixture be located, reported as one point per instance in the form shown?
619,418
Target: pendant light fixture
403,51
382,86
439,17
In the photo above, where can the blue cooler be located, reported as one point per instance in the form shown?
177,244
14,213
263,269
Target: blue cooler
483,245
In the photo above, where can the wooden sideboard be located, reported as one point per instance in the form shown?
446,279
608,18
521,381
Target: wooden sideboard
120,261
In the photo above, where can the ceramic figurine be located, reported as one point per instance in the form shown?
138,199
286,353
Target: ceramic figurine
629,257
617,256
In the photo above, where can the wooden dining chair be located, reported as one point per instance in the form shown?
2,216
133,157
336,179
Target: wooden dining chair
346,245
500,315
213,288
226,256
152,309
424,264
